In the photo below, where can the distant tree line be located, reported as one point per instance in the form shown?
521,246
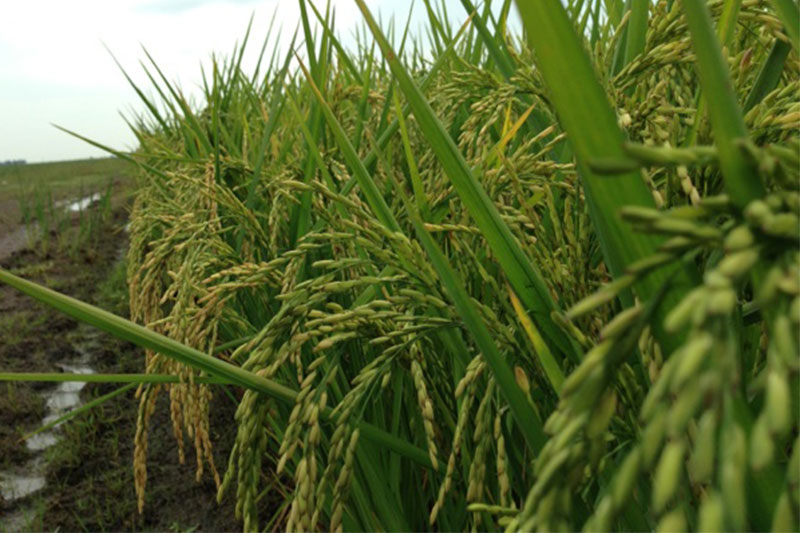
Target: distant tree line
13,162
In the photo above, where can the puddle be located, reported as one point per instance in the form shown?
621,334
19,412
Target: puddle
14,240
27,479
15,487
20,485
58,402
21,236
39,442
83,203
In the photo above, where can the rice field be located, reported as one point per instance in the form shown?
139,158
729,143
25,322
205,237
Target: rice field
479,279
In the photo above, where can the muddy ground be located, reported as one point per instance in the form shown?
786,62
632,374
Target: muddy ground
89,473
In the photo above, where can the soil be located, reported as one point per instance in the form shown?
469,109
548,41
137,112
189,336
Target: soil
9,220
90,474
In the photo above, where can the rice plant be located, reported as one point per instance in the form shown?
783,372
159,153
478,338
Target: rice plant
44,218
480,280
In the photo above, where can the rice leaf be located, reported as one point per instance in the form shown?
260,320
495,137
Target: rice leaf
637,31
742,180
789,13
769,75
145,338
586,115
523,411
72,413
526,281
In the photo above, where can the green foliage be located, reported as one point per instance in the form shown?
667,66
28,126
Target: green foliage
63,178
46,218
548,293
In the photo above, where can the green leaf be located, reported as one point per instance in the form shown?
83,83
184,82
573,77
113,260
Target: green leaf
189,121
637,30
452,282
117,153
725,30
526,281
145,338
60,377
496,48
769,75
727,21
789,13
150,106
586,115
742,180
343,55
454,285
416,182
365,182
88,406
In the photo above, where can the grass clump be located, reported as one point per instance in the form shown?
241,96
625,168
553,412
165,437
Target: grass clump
468,288
67,225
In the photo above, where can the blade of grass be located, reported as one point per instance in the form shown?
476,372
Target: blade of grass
497,50
522,409
366,184
741,178
637,30
264,43
363,107
586,115
526,281
549,364
585,20
622,42
88,406
370,159
416,181
191,123
614,10
310,141
58,377
435,27
725,27
150,106
275,109
789,13
769,75
236,71
121,155
343,55
596,21
145,338
727,20
498,149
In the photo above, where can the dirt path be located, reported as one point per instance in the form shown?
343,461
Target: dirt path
84,481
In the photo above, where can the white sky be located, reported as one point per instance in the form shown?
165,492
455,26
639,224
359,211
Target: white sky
54,69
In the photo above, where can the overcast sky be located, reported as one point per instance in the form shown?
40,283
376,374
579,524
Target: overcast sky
54,68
